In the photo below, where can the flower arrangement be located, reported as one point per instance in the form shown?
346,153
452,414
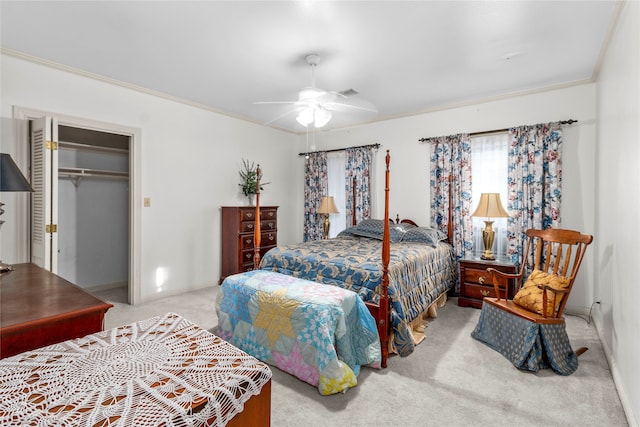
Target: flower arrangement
249,178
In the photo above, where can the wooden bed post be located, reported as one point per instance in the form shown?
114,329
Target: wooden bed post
353,204
383,315
256,229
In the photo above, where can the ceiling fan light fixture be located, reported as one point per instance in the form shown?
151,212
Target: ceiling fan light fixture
305,118
322,117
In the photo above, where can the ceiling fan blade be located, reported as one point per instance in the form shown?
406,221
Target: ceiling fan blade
278,102
286,113
342,106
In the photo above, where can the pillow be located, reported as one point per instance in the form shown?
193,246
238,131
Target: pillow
429,236
374,228
530,296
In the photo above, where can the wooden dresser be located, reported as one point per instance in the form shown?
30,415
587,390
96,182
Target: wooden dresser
39,308
475,282
238,223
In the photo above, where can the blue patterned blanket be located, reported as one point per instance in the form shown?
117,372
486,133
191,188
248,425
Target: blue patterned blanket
320,334
418,274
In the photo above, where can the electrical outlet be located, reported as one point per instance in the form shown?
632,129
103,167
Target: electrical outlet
147,202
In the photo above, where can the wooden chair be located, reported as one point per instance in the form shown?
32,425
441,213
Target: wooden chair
557,255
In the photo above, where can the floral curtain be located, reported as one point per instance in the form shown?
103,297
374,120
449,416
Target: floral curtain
359,160
451,156
315,186
535,181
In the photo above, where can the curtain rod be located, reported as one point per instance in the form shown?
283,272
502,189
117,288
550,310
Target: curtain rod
376,146
489,132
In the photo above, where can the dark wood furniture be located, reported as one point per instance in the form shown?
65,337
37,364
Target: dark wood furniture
162,371
532,333
39,308
381,312
476,283
555,251
238,225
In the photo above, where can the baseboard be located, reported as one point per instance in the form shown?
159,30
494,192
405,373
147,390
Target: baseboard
622,392
107,286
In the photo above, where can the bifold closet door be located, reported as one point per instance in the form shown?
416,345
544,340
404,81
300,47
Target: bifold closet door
44,200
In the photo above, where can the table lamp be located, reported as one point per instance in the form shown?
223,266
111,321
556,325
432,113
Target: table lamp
327,207
11,179
489,207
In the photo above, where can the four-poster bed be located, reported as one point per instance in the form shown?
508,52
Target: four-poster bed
399,287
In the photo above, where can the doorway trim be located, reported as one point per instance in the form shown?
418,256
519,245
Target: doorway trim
21,117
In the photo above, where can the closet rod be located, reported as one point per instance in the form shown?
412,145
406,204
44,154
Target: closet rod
80,172
490,132
376,146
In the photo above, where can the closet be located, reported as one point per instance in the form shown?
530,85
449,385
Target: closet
93,207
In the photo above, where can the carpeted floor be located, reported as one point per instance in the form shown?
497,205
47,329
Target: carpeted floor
450,380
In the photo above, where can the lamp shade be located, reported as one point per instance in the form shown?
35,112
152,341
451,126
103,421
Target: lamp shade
327,206
490,206
11,179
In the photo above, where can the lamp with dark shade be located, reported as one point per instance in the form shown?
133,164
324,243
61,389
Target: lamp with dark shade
489,207
327,207
11,179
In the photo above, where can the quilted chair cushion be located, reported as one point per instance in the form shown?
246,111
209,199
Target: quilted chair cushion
530,295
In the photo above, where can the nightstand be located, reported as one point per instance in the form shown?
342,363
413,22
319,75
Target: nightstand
475,282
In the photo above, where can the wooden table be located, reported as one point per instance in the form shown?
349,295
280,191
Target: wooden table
163,371
38,308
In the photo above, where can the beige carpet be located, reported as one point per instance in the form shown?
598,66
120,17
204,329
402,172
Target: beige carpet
450,380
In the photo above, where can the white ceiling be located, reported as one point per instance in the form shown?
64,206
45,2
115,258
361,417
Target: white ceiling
405,57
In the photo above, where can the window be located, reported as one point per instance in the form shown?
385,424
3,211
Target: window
489,163
336,166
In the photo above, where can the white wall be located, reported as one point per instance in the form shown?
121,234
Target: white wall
409,186
617,247
189,165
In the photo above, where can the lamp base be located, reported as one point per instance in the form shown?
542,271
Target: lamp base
487,238
326,226
5,268
488,257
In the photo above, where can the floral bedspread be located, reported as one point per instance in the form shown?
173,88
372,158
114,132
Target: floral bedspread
320,334
418,274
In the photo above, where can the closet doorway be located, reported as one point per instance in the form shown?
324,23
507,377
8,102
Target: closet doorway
84,217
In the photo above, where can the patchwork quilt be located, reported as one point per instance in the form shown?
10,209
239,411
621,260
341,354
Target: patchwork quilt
320,334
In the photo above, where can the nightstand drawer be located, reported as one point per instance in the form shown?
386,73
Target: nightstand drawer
476,283
478,291
481,277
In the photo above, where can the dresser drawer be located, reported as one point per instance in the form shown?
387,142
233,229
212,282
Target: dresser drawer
265,213
269,224
266,239
247,257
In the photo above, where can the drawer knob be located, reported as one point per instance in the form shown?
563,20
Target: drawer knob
484,293
249,215
481,280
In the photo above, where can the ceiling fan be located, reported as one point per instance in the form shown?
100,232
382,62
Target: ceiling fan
316,106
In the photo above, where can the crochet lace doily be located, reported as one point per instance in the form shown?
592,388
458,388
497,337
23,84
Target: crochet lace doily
160,371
